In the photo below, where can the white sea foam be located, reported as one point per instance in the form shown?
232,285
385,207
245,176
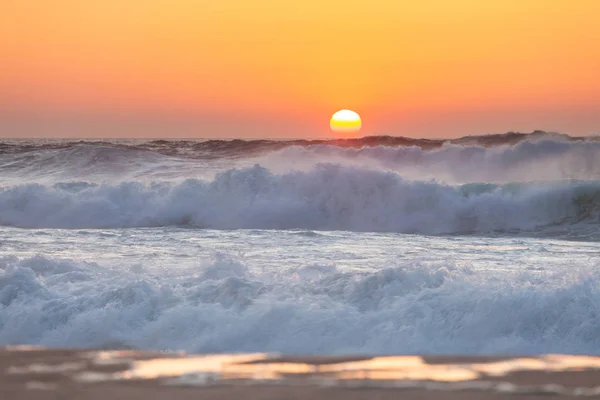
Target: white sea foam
220,306
328,197
309,290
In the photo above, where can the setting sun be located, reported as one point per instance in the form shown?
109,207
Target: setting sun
345,121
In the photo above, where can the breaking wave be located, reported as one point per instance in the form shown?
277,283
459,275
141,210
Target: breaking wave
328,197
538,184
494,158
221,306
453,163
238,147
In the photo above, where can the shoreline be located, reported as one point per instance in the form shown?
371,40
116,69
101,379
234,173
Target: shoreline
45,373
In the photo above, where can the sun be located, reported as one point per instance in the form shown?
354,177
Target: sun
345,121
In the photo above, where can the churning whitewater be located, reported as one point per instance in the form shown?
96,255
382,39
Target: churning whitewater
485,244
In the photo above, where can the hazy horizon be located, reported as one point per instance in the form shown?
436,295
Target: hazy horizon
202,128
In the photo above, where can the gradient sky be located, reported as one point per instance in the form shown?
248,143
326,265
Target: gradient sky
280,68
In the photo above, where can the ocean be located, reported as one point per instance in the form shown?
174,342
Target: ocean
380,245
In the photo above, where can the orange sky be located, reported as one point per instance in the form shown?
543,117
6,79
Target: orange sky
280,68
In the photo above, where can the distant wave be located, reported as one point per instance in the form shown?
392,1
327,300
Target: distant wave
328,197
542,159
221,306
210,149
495,158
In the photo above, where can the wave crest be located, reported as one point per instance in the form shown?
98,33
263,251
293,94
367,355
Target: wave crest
494,158
328,197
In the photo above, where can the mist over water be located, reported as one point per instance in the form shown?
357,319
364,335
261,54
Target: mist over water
387,245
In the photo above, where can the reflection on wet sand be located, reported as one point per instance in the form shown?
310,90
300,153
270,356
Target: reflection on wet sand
61,370
264,367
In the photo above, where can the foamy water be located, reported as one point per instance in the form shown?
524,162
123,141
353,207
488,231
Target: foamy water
302,248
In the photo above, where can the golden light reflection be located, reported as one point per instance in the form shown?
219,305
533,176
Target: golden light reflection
152,369
405,368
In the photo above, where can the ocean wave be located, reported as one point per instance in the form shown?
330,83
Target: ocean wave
221,306
495,158
84,160
328,197
528,160
215,148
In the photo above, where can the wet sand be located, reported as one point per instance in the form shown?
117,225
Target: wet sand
36,373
